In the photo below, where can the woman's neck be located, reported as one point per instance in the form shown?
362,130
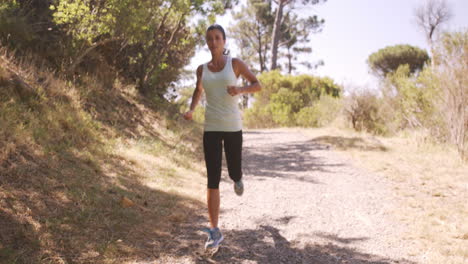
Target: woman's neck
217,59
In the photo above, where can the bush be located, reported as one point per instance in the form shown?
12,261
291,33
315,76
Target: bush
199,115
27,28
258,117
322,113
307,117
14,28
364,111
284,96
451,76
413,102
283,105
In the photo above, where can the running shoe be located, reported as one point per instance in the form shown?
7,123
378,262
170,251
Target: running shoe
214,237
239,187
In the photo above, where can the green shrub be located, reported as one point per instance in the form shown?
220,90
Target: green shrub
284,96
258,117
283,105
199,115
15,31
307,117
322,113
413,101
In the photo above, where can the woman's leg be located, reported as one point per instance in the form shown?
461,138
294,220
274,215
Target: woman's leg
233,151
212,145
213,201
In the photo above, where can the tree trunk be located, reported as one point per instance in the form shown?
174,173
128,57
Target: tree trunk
265,54
260,55
276,34
145,73
80,58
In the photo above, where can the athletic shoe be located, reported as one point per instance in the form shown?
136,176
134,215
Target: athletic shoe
214,237
239,187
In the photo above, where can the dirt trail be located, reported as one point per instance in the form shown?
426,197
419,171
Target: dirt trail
303,203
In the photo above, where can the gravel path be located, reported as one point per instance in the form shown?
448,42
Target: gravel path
303,204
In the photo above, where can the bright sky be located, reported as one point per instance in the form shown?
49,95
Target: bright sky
355,29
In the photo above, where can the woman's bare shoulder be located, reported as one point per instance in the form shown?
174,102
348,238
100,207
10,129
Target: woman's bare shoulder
200,70
238,65
237,61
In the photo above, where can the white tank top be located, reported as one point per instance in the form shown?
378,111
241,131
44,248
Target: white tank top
222,110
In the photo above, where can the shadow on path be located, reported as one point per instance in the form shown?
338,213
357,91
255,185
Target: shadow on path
291,160
266,245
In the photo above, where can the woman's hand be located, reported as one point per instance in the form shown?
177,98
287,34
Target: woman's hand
234,90
188,115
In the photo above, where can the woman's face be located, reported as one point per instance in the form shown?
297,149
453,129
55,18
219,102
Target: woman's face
215,41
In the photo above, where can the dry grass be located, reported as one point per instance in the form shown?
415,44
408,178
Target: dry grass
430,178
69,154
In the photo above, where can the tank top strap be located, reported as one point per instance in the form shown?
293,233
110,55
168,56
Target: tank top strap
230,68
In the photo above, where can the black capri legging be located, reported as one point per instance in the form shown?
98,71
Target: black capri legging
213,149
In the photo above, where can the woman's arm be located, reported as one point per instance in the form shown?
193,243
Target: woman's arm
241,69
196,94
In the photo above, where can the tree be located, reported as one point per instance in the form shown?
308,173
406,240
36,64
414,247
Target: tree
295,32
452,79
153,34
387,60
430,16
253,32
277,34
27,27
412,101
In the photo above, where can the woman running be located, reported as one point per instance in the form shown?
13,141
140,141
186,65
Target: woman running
223,122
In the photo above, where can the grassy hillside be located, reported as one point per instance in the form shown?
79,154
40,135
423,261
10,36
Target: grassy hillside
90,172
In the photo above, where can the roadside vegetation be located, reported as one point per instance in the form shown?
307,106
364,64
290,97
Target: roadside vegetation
429,178
90,174
97,165
411,128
